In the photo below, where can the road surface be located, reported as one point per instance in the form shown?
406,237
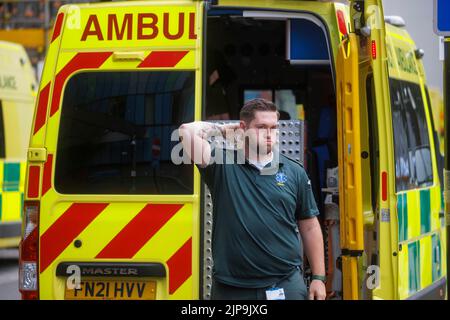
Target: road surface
9,274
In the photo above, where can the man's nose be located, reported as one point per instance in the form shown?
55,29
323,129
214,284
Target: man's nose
266,133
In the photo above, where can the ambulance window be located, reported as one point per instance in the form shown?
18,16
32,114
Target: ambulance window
2,133
436,138
115,133
412,143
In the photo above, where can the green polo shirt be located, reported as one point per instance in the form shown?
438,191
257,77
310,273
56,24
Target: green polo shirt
256,240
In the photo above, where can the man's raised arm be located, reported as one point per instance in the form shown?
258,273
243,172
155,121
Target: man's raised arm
194,139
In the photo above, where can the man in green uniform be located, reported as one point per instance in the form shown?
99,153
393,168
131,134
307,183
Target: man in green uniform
264,210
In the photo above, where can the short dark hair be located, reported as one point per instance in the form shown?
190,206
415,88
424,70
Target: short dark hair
247,113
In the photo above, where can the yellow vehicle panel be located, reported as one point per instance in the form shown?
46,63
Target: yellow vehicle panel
17,94
159,229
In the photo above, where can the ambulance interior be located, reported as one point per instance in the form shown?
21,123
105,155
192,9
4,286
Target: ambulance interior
286,61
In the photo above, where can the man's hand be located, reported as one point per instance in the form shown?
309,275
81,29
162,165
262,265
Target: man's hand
212,129
229,128
194,137
317,290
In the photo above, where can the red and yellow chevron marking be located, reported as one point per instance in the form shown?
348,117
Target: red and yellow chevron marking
82,60
47,175
46,81
34,173
138,231
120,232
124,245
103,60
34,178
163,59
180,266
57,26
154,232
61,233
41,112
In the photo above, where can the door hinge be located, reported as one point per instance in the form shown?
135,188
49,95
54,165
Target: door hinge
37,155
352,253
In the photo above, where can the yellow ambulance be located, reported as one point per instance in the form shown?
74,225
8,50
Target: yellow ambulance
18,88
109,214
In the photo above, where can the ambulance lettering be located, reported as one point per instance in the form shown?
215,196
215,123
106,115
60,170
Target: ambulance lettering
8,82
127,23
406,61
148,26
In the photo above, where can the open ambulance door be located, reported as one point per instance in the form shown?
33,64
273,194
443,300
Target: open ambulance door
364,44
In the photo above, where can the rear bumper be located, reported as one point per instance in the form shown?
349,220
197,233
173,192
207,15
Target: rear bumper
118,269
10,229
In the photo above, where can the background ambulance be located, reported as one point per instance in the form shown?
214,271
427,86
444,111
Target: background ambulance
17,96
105,206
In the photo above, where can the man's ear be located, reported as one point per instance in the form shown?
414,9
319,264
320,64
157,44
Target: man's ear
242,125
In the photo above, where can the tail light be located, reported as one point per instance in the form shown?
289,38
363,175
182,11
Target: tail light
29,252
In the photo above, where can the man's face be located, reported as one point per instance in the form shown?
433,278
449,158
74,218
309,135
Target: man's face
262,131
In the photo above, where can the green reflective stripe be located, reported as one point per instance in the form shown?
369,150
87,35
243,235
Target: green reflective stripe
425,211
414,266
11,176
21,205
436,254
402,211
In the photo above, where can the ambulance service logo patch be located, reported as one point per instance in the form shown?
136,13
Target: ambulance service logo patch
281,178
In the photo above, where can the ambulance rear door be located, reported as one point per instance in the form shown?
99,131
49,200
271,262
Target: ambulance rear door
365,45
118,206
